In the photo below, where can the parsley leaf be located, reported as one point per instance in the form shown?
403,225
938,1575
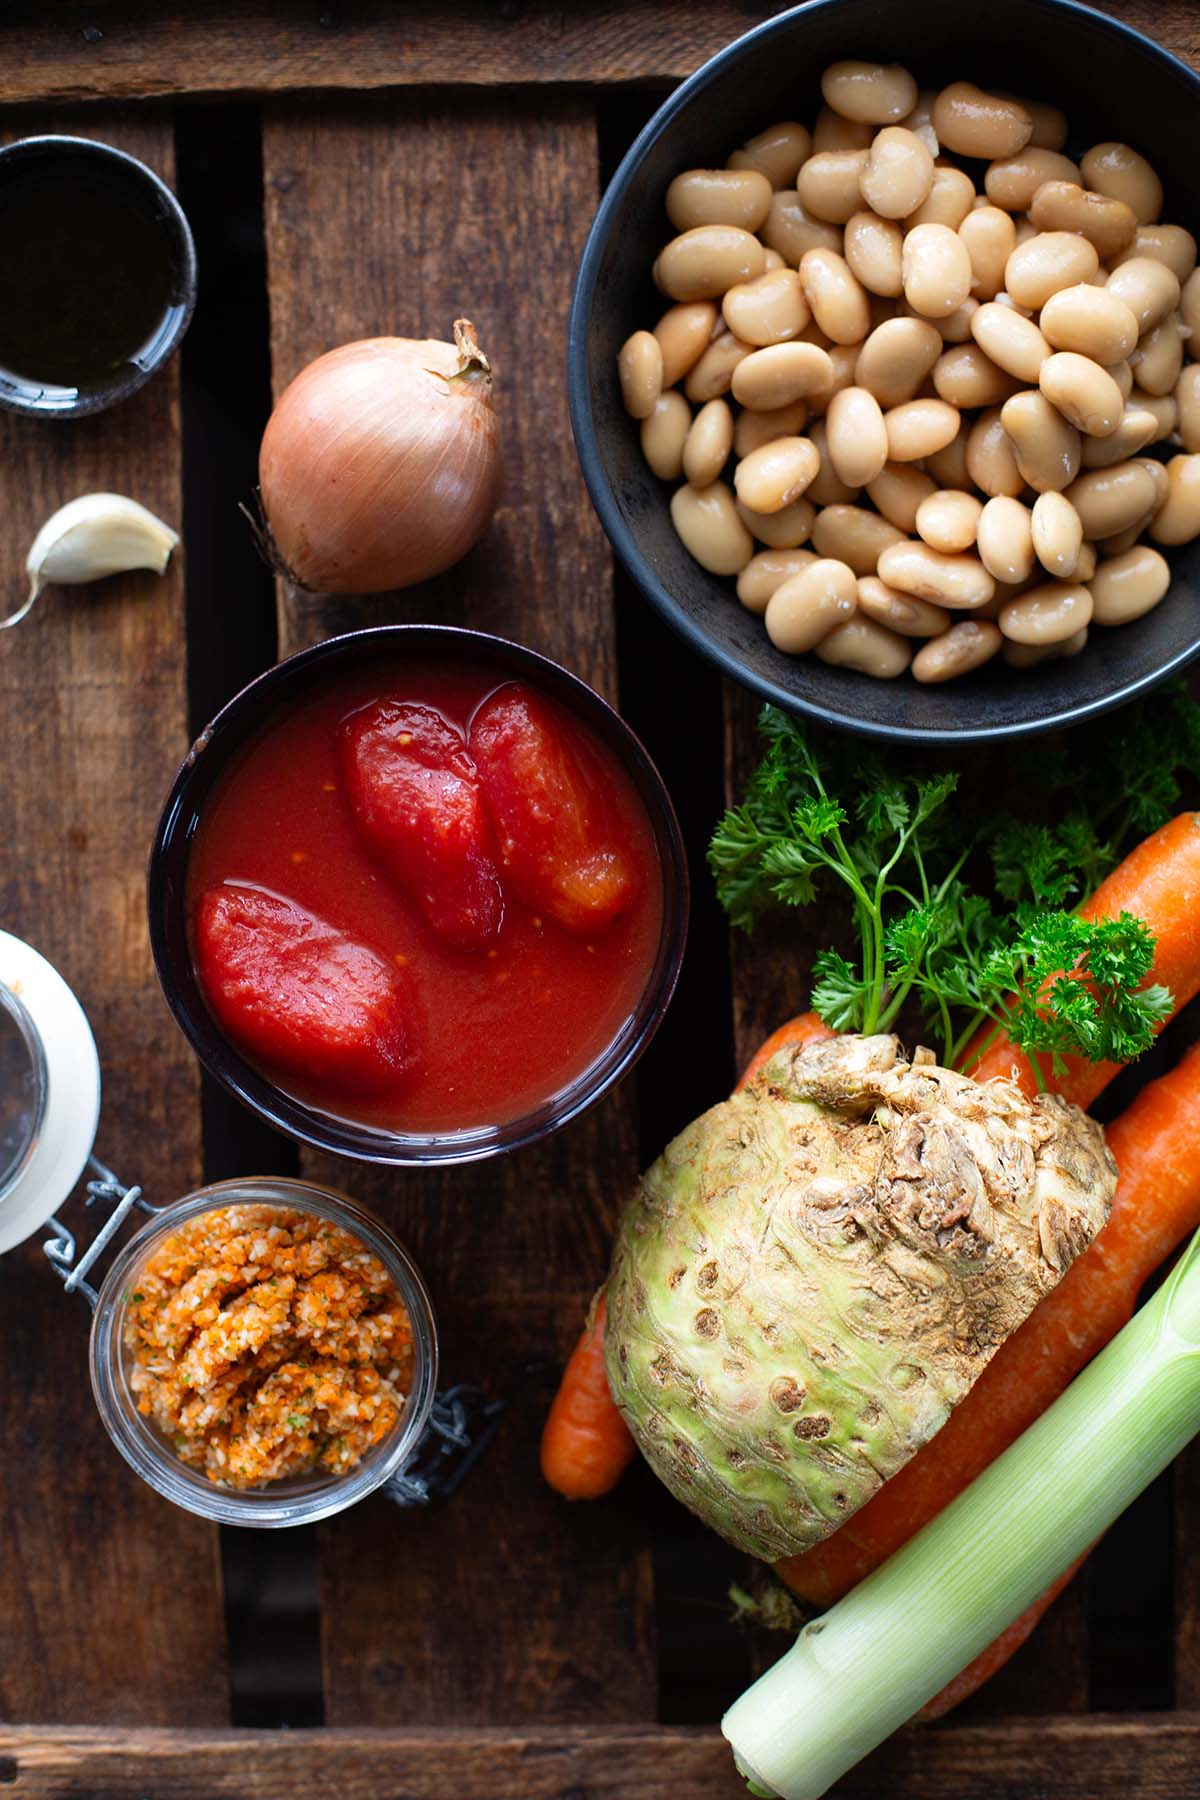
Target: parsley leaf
829,824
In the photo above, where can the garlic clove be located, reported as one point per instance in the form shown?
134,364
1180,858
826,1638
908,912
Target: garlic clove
95,536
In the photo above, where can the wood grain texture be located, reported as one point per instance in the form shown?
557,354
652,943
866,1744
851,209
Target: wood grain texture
476,206
1103,1758
58,50
92,725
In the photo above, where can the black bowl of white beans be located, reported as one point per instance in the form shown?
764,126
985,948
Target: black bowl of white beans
914,365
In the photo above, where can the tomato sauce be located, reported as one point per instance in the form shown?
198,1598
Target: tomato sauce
495,1031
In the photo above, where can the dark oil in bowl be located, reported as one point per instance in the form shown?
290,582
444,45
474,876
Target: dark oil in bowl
87,284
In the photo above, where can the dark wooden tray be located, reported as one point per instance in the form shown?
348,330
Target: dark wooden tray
351,170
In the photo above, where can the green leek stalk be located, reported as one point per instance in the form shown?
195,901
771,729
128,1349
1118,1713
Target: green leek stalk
859,1672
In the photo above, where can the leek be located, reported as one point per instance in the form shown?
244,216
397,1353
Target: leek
856,1674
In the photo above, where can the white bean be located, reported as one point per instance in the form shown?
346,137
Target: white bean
769,310
766,571
836,296
718,197
947,520
856,435
829,184
1046,262
872,249
774,475
664,433
708,444
808,606
1117,170
1082,392
918,428
774,377
791,229
1004,538
1057,535
708,523
877,93
854,536
898,175
1013,343
898,491
1127,587
640,371
1047,447
1047,614
957,582
1177,520
895,359
1012,181
1149,289
936,270
684,333
1091,321
709,378
974,123
1108,224
1108,501
870,648
700,264
990,238
776,152
966,646
785,529
900,612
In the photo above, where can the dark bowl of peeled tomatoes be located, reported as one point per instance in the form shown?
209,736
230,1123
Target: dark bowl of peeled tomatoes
418,895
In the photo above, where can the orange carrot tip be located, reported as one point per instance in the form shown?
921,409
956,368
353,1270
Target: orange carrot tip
586,1445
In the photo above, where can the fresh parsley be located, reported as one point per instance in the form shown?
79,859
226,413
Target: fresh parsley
821,825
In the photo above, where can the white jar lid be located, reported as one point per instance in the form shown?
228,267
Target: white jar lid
59,1151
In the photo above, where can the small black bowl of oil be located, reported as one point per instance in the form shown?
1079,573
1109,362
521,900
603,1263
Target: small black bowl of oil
98,277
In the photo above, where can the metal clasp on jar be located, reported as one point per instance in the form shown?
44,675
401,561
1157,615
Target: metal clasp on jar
60,1249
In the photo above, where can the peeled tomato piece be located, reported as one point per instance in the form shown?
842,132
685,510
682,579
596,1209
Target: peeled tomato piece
292,989
551,817
417,804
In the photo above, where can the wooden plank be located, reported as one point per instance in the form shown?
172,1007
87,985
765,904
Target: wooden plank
1187,1579
477,205
1103,1758
58,50
109,1597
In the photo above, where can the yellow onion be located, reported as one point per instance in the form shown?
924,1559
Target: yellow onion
380,465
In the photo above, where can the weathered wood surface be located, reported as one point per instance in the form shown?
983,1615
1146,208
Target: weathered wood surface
473,1614
92,725
60,50
1102,1758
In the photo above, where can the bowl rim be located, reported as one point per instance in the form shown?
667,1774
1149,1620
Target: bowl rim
603,499
176,227
236,724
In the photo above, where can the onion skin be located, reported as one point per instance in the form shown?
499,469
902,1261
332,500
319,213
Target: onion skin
380,465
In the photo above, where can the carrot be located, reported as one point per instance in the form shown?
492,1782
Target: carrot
1157,1204
586,1445
1160,883
805,1029
989,1662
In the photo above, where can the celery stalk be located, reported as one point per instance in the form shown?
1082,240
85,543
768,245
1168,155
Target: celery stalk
864,1668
